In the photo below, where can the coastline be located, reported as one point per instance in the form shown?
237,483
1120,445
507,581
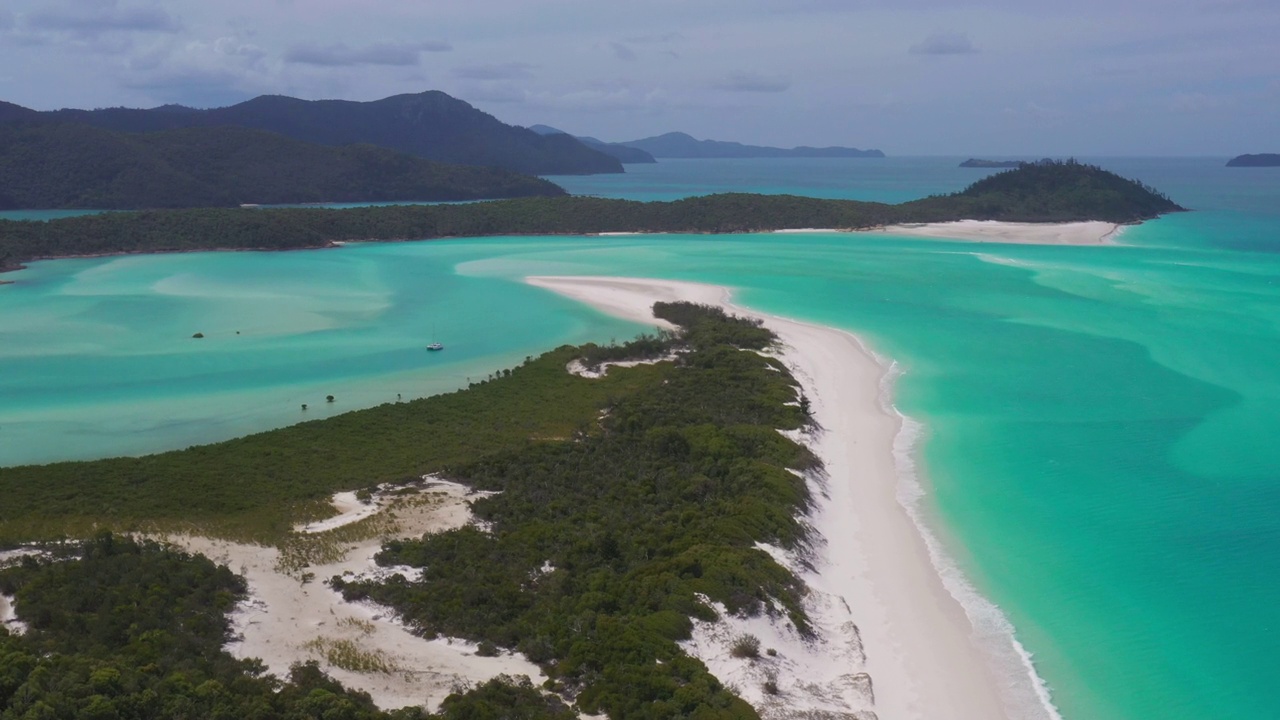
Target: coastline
873,566
1090,232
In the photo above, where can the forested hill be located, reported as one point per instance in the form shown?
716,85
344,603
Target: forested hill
63,165
430,125
1049,191
1040,192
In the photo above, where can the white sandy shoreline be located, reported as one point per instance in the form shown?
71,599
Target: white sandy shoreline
1093,232
914,638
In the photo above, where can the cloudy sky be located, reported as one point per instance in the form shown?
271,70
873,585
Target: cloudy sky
912,77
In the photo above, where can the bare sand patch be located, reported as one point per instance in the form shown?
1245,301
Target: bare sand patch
292,616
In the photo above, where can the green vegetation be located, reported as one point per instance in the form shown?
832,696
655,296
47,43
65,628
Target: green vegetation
255,488
746,647
429,125
626,504
121,629
1040,192
78,166
596,552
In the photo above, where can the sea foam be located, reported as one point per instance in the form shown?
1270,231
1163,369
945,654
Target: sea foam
1025,694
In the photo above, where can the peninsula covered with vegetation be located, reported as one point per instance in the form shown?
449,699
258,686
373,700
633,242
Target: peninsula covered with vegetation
1034,192
626,507
70,165
1258,160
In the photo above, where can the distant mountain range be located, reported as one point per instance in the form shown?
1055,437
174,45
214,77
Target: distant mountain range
1261,160
624,154
429,125
72,165
681,145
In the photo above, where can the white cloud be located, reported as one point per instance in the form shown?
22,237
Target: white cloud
95,18
342,55
753,82
944,44
622,52
498,71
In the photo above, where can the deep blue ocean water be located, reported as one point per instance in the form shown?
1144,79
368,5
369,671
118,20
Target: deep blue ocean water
1099,446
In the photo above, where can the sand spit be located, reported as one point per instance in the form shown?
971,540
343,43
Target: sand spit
291,615
1093,232
893,642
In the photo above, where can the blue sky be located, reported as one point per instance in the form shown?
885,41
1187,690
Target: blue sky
1089,77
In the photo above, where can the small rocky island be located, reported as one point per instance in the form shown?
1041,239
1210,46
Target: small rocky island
1259,160
977,163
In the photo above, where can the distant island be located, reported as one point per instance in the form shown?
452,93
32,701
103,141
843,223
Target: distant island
976,163
429,125
72,165
1261,160
681,145
625,155
1045,191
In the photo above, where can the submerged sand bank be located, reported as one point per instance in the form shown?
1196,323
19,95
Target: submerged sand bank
893,638
1094,232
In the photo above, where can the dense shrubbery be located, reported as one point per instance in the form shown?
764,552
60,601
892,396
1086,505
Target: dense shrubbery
126,629
122,629
596,551
77,166
1033,192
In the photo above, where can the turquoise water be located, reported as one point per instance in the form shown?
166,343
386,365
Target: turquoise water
43,215
1100,422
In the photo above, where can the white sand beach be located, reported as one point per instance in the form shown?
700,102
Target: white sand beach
288,618
1072,233
8,618
893,638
